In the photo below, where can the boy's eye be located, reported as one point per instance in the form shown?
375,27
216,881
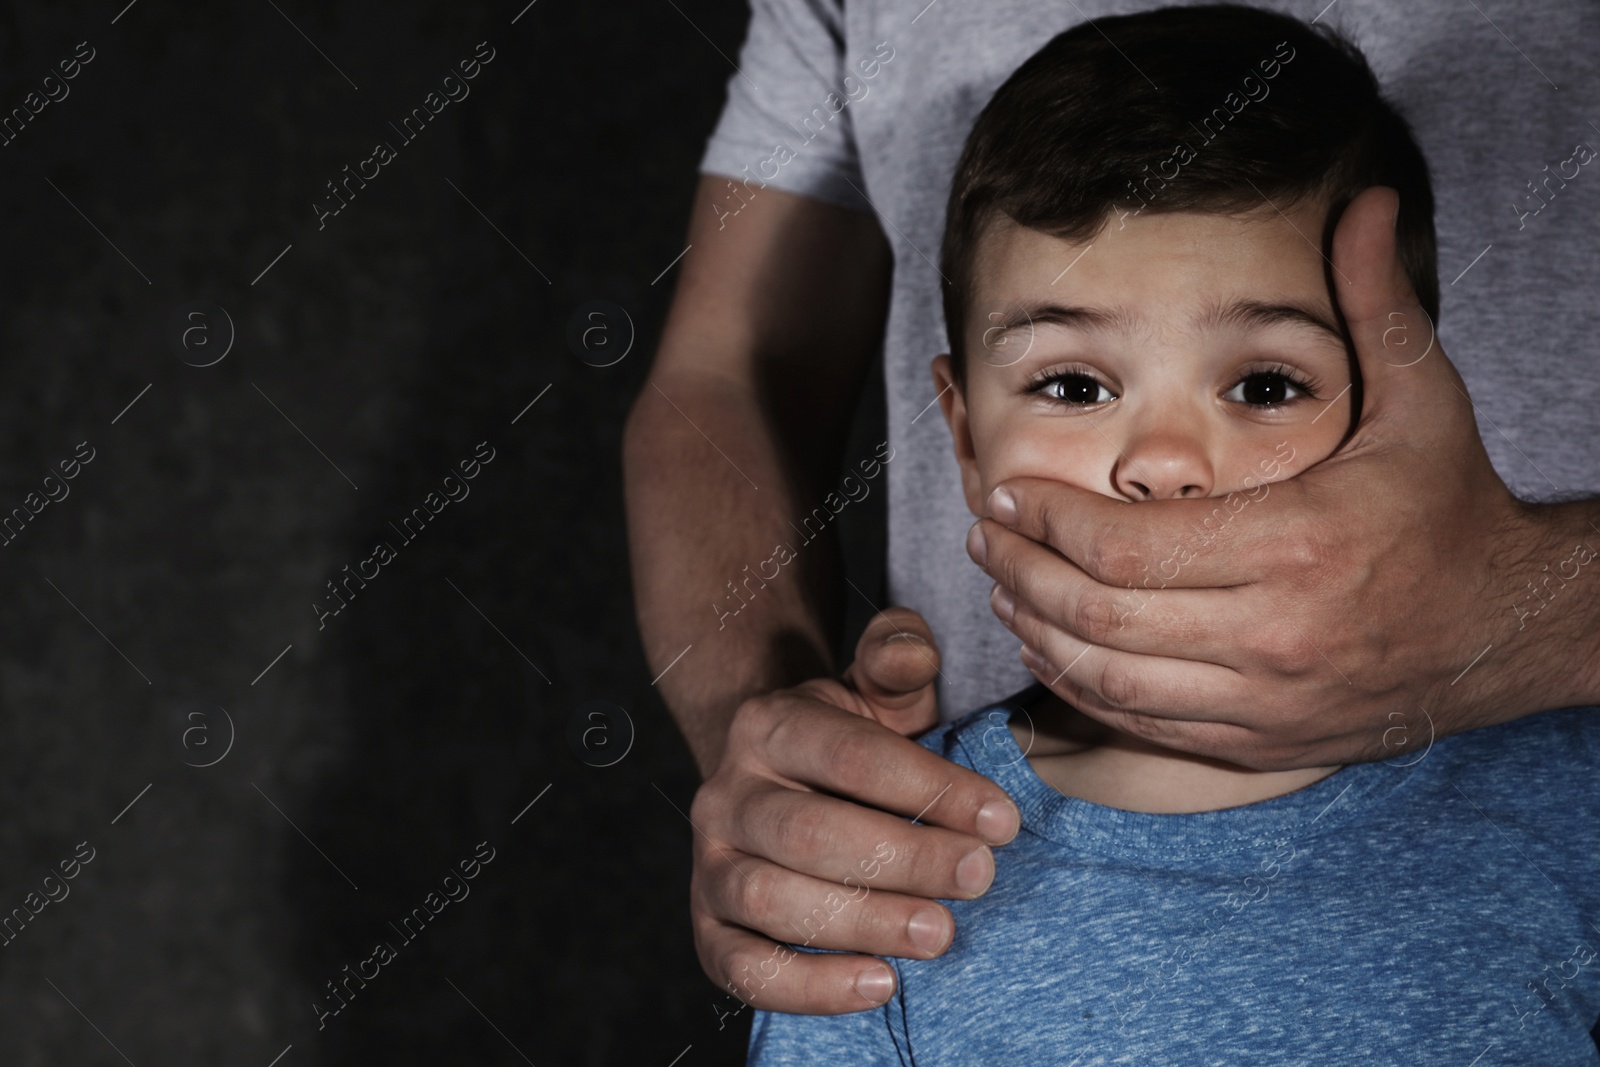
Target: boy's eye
1074,389
1265,388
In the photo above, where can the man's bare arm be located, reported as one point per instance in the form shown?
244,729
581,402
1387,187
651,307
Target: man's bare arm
810,777
739,430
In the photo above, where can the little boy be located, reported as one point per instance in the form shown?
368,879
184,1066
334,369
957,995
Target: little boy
1140,304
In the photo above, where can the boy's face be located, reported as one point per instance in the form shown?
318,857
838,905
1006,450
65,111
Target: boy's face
1183,355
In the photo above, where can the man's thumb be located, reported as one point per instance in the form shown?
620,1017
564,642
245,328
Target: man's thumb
1402,365
894,670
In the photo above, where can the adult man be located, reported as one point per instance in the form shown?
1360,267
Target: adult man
1336,603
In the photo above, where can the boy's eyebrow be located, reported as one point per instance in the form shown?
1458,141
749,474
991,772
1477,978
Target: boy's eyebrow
1019,316
1248,313
1243,312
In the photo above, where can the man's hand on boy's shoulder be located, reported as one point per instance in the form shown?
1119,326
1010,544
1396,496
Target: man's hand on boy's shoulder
1392,593
803,834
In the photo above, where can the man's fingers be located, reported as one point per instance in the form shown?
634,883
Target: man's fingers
1198,542
1155,686
858,913
855,757
847,844
814,808
1218,740
1155,616
774,977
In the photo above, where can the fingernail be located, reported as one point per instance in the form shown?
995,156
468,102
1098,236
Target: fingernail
1003,506
901,635
927,930
976,546
975,871
1031,659
998,821
875,984
1005,605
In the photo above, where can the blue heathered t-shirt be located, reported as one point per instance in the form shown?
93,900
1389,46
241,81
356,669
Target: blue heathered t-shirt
1440,908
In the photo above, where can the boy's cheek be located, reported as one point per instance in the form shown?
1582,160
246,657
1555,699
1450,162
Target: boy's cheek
1074,454
1276,454
1304,446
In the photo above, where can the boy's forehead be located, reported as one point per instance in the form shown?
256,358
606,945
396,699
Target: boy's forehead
1162,257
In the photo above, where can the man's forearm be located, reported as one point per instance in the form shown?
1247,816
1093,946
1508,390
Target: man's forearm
1551,611
710,497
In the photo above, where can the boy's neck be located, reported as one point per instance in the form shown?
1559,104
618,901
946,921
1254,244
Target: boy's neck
1083,758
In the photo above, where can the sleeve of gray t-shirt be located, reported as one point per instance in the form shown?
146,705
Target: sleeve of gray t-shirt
791,61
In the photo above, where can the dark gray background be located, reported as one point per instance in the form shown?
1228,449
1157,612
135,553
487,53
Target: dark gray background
377,752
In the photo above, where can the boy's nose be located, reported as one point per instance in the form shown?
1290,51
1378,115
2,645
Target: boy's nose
1163,465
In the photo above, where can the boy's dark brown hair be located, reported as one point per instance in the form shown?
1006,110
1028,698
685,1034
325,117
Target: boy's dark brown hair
1217,108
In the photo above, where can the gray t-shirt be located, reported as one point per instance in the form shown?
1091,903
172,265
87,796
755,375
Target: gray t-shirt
867,105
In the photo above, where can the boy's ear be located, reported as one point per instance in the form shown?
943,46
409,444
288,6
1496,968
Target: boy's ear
954,406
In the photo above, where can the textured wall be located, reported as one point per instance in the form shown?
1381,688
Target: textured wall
264,791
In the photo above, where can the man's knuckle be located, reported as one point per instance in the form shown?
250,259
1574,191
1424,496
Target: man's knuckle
753,721
1179,627
851,755
821,986
1151,728
1288,652
757,894
1095,617
877,923
1093,561
1010,571
1116,561
1045,519
709,941
1306,554
703,798
727,959
932,866
1301,657
1118,686
708,805
802,830
923,867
